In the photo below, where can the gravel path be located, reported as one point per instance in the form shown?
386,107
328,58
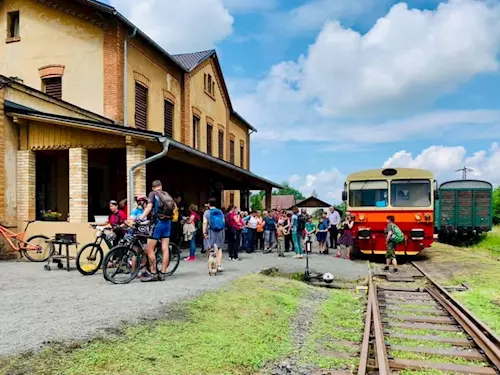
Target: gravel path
38,307
301,327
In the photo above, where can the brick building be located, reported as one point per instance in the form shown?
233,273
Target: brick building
85,95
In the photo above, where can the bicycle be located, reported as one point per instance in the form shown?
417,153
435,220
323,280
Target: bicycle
127,258
29,248
89,264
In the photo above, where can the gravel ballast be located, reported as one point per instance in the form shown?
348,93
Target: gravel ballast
39,307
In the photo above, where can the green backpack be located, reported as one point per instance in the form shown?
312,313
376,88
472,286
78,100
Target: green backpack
397,235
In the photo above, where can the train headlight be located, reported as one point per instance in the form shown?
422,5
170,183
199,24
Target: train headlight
361,217
418,217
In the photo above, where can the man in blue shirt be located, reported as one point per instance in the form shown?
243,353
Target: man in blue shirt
296,235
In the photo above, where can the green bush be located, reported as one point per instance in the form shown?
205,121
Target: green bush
496,206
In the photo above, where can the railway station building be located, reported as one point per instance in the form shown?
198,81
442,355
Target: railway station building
85,96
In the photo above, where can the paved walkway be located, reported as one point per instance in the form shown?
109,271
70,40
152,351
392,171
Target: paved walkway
37,306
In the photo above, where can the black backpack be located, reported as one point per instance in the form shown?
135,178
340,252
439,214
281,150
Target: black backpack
166,205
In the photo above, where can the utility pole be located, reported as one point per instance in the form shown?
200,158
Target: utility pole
464,171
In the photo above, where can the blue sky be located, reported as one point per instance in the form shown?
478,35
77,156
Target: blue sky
337,86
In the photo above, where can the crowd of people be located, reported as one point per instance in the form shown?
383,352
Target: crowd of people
211,227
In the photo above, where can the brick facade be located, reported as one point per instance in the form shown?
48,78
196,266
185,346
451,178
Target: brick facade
78,185
26,185
136,154
186,117
113,71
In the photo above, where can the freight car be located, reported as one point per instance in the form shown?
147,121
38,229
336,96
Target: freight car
464,210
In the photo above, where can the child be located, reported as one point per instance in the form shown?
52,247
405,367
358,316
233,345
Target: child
394,236
281,232
322,233
310,230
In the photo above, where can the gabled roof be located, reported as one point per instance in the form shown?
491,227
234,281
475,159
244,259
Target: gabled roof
189,61
285,201
304,202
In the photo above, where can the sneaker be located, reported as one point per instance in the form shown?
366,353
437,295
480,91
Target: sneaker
148,277
161,276
220,269
338,255
396,270
386,268
237,259
231,259
348,258
189,259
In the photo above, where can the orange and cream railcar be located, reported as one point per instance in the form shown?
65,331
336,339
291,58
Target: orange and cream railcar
405,193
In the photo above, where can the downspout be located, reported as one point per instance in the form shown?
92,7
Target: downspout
125,80
166,143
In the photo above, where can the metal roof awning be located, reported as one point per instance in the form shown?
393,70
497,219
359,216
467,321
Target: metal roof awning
238,178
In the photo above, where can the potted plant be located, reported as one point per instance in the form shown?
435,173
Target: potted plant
51,216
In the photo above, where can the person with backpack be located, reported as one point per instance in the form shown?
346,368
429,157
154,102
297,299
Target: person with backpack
394,236
161,206
213,229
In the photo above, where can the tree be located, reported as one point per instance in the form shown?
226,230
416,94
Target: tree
289,190
341,208
496,206
317,214
256,201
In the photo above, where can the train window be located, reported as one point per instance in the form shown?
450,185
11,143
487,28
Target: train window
368,194
410,193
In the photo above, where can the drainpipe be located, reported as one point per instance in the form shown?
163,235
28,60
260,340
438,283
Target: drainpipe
125,80
166,143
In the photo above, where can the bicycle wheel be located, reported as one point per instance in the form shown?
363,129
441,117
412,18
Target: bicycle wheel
174,260
89,259
40,248
117,265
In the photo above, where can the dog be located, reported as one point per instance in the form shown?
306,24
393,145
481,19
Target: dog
212,263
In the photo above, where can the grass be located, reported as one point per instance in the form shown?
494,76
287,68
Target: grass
490,243
232,331
338,325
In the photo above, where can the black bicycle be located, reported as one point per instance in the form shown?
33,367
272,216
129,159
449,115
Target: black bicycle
123,262
89,258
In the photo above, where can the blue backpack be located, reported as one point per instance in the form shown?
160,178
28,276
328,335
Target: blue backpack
216,220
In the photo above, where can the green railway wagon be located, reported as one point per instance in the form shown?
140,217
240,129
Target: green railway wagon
464,210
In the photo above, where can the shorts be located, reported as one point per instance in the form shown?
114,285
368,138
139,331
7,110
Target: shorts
216,238
162,229
391,252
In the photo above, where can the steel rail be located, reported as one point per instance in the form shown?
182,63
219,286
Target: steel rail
493,337
380,348
365,346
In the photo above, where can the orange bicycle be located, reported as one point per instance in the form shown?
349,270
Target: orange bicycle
37,248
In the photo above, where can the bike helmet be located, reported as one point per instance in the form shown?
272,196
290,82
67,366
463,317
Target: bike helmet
141,198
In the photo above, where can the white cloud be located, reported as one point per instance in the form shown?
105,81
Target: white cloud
328,184
246,6
313,14
347,81
443,161
179,26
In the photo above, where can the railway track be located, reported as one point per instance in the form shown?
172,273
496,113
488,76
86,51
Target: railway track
424,328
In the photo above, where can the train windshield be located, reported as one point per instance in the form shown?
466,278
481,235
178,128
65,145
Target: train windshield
410,193
368,193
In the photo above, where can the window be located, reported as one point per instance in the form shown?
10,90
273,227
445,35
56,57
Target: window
410,193
231,199
209,139
141,106
231,151
196,132
368,194
12,25
221,144
242,156
168,118
209,85
53,86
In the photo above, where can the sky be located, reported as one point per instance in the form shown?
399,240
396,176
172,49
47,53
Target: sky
338,86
